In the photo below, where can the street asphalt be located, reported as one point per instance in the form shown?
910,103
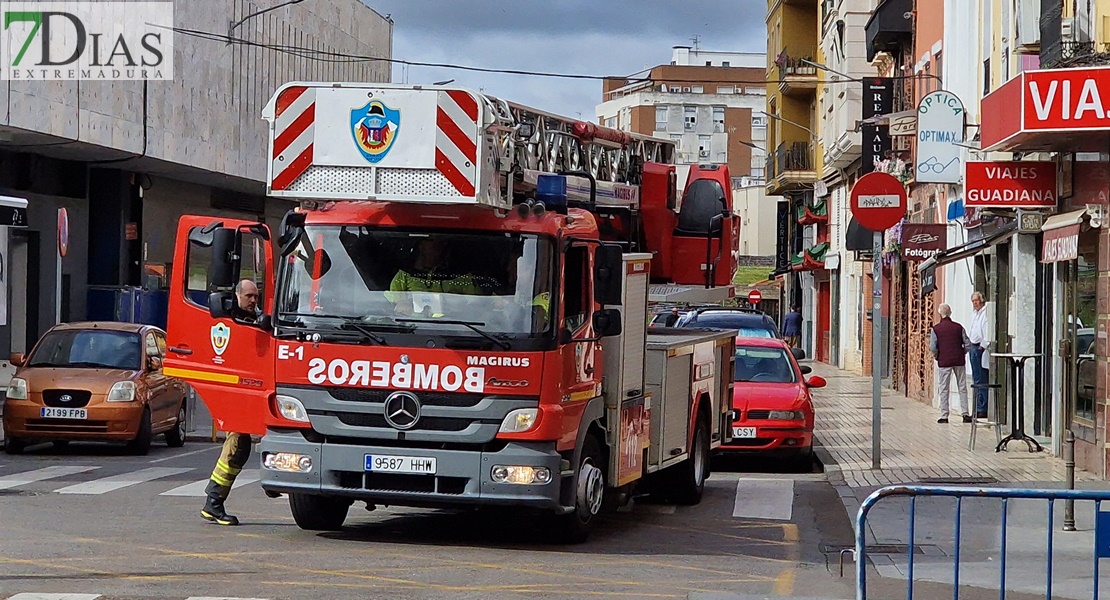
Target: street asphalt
88,519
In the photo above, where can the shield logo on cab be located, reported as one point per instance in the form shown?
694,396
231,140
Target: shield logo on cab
221,336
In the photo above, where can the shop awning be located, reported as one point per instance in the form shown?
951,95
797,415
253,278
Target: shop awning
1061,236
888,26
858,238
971,248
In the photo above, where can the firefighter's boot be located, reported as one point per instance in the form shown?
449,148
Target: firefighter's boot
213,510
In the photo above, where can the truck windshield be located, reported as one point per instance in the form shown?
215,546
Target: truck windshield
449,283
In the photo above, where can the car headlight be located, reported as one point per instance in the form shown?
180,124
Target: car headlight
520,420
17,389
122,391
292,409
787,415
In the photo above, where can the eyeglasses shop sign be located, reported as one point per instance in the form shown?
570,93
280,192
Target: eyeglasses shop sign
99,41
940,126
922,241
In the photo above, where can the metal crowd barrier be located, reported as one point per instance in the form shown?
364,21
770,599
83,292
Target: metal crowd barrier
1101,522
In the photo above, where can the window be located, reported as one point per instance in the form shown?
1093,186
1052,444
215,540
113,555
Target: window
677,140
718,119
757,172
763,365
726,89
197,264
709,63
690,117
160,339
611,122
725,64
660,118
675,89
152,346
697,89
89,349
576,276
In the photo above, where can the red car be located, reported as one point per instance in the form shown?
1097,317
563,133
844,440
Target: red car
771,400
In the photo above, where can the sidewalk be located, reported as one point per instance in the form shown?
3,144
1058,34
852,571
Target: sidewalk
918,450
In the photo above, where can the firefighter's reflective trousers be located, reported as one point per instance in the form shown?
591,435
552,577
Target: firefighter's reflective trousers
236,451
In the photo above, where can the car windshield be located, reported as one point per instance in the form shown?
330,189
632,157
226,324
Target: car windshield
90,349
748,325
763,365
447,283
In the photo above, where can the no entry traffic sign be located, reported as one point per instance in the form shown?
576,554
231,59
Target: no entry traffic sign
754,296
878,201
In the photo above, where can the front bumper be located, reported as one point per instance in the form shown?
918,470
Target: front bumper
462,478
783,438
114,422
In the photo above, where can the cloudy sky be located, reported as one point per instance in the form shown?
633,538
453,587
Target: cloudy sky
598,37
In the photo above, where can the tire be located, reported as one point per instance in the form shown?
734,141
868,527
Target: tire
59,444
14,446
318,513
175,438
691,474
589,497
140,446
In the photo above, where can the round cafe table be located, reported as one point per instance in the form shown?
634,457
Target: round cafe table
1017,397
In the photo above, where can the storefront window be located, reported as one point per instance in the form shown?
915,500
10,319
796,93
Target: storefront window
1086,280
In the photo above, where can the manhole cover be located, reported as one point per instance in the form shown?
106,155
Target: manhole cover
957,480
875,548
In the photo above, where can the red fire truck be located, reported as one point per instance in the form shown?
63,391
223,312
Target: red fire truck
454,311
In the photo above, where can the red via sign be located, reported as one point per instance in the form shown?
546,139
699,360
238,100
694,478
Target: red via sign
1066,99
1010,184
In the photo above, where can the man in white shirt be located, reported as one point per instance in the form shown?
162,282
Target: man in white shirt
978,335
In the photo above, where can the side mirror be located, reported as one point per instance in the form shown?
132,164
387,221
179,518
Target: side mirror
816,382
806,370
17,359
607,322
225,257
798,353
608,274
154,363
219,304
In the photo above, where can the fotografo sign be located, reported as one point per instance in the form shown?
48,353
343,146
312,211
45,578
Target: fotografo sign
101,41
940,127
921,241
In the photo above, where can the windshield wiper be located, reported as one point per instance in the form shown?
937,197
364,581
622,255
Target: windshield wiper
348,324
473,325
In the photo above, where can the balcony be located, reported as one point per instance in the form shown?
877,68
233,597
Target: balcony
796,77
791,166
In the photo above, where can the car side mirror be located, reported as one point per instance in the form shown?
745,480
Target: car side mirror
608,274
806,370
154,363
798,353
225,257
816,382
17,359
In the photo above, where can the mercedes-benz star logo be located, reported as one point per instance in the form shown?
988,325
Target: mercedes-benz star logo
65,398
402,410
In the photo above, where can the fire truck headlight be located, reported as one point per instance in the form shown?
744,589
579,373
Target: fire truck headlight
292,409
521,475
520,420
287,461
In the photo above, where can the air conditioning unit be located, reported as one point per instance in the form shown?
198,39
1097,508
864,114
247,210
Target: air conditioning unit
686,90
703,154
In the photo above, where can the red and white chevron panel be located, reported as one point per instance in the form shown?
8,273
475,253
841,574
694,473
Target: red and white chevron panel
294,128
456,140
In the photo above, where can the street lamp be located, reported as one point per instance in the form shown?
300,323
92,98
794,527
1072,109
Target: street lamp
812,135
444,82
826,68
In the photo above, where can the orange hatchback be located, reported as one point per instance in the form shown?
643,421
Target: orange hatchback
97,381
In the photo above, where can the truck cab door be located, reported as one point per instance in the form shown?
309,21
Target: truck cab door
227,358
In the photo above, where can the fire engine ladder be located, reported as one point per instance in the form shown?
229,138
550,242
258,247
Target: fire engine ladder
534,142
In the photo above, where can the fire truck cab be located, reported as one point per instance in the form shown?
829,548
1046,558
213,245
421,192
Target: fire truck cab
454,311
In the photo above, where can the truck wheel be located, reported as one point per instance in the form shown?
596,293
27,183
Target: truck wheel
318,513
692,473
589,497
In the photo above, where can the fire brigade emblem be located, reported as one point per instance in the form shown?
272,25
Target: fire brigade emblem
221,335
374,127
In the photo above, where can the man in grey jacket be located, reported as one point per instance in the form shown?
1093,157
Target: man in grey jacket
949,343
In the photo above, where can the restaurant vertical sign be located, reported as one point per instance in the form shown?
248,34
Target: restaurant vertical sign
878,99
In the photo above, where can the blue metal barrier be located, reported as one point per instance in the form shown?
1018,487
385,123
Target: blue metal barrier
1101,520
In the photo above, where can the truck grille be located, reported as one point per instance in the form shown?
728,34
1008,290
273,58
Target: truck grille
426,399
75,398
402,483
425,423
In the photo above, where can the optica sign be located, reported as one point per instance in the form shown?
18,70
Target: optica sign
1010,184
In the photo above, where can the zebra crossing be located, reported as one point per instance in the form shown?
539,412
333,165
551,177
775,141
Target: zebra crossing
95,480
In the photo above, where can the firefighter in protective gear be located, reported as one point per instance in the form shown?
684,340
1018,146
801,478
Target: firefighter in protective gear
237,446
418,292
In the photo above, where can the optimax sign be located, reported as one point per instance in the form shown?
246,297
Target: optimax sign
100,41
